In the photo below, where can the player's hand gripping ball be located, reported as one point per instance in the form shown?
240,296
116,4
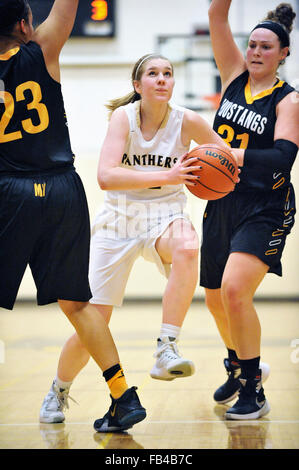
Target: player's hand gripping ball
219,173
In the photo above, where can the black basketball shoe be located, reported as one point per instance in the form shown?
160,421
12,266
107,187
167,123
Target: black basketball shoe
123,413
230,389
252,403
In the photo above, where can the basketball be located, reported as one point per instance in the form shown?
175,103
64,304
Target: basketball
219,172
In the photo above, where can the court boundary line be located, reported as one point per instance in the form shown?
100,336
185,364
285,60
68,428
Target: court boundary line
205,421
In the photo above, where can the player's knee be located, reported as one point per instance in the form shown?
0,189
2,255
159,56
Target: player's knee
186,246
185,252
76,342
234,297
69,306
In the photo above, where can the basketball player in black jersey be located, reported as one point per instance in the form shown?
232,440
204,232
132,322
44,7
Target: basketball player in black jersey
44,220
244,233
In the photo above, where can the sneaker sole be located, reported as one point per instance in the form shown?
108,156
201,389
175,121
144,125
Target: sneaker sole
133,418
125,423
222,402
51,420
184,370
257,414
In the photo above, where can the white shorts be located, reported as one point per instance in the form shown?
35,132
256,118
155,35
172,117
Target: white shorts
112,259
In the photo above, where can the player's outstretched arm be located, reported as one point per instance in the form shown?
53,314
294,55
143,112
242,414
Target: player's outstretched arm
229,59
52,34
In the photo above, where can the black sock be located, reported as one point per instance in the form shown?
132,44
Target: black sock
109,373
250,368
232,355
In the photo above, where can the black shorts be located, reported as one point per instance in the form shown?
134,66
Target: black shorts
44,222
253,222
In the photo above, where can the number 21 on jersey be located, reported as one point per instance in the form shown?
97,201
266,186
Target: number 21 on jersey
228,135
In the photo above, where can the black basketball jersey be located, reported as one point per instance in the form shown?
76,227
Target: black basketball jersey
244,121
33,126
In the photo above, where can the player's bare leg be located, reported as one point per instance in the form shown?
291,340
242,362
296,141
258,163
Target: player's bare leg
237,321
92,337
93,332
177,246
74,355
229,389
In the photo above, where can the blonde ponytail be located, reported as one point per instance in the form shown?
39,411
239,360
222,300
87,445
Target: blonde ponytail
122,101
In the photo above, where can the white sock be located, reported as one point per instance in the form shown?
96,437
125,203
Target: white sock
170,330
62,384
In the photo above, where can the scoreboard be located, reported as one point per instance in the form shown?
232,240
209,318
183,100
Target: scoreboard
95,18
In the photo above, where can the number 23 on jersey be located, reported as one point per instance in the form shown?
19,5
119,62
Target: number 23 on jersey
26,124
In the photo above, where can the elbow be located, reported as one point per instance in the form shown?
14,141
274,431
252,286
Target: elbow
102,185
103,181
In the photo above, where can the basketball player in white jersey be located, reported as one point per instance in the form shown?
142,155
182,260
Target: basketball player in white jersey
143,169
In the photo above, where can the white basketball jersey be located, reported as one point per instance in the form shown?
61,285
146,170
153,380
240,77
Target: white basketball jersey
158,154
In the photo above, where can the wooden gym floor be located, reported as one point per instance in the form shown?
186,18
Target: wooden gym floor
180,414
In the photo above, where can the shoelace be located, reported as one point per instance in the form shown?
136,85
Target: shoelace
61,399
169,351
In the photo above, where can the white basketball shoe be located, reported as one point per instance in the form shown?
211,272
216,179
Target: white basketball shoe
55,402
170,364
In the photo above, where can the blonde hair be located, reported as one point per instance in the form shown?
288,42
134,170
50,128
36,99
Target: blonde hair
137,73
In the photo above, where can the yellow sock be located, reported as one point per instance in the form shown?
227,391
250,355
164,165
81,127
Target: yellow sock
117,384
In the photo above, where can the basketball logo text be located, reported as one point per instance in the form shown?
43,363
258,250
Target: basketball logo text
223,161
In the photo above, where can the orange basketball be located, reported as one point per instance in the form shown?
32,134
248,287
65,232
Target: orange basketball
219,172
